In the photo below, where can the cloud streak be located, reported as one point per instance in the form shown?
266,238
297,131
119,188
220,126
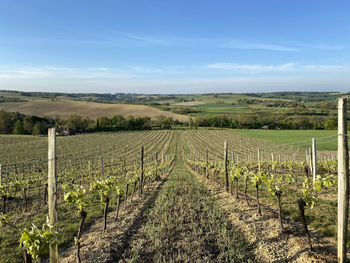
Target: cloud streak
240,44
282,68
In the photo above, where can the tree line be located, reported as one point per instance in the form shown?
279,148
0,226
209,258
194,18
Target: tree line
17,123
277,121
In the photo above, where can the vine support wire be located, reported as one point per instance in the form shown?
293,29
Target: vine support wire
343,180
52,189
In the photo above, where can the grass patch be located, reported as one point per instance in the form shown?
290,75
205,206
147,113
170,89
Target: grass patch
185,225
325,139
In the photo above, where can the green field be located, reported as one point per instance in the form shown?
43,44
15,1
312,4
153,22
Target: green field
325,139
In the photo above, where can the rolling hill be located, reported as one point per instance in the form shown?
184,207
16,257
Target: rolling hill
89,110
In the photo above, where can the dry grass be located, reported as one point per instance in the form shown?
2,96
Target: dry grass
189,103
89,110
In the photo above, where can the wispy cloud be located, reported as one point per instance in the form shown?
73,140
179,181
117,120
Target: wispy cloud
241,44
321,46
285,68
181,41
230,42
52,72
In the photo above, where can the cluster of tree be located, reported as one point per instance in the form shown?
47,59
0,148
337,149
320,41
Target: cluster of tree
250,121
17,123
10,99
184,110
272,103
300,96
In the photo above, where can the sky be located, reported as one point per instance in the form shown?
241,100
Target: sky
182,46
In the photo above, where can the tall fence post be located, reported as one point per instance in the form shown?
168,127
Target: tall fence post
0,174
102,170
259,165
206,163
89,164
52,188
141,179
343,181
314,161
226,172
156,163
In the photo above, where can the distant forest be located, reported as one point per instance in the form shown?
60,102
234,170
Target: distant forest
16,123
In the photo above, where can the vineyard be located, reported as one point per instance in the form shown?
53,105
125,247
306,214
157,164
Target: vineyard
168,196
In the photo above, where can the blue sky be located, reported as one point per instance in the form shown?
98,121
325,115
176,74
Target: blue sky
174,46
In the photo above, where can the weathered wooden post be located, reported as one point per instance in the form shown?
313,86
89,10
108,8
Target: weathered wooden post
52,189
259,165
343,180
206,163
89,167
310,159
156,163
141,177
314,161
226,172
102,170
0,174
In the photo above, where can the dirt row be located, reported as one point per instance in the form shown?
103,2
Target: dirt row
109,247
266,241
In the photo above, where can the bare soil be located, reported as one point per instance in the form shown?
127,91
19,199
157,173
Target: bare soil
263,233
117,239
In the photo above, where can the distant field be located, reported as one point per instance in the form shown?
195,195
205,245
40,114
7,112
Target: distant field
89,110
189,103
325,139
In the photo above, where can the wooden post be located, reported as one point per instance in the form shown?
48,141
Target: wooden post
226,172
310,159
89,167
343,180
52,188
233,157
102,171
206,163
156,164
141,178
314,161
0,174
272,157
259,165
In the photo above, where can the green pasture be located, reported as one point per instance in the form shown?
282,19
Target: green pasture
325,139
